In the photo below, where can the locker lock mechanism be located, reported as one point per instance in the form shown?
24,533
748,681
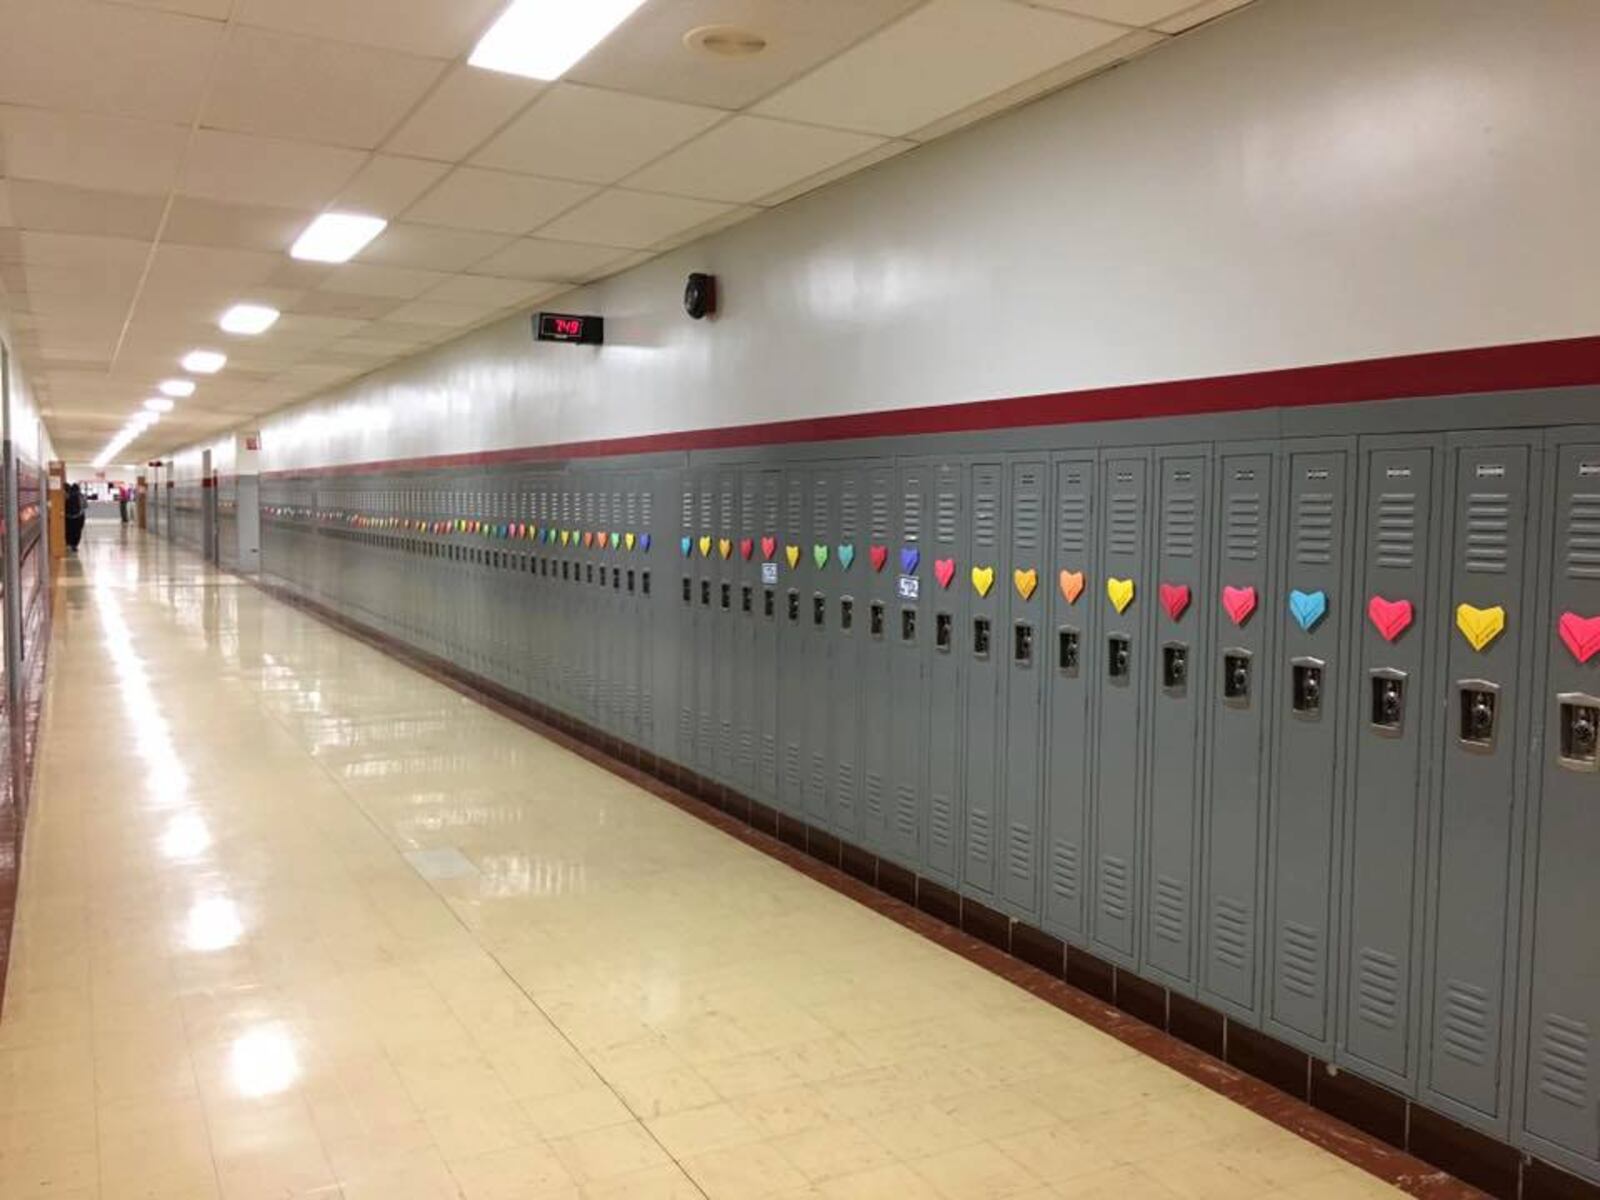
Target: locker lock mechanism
1236,677
1175,667
1579,731
1477,702
1388,701
1306,696
1119,656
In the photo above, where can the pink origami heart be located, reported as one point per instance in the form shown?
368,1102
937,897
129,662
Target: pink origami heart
879,555
1174,598
944,570
1391,618
1239,603
746,548
1581,634
769,547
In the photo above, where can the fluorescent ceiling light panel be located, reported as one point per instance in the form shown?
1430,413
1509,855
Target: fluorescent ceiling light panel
542,39
177,387
204,362
336,237
158,404
249,319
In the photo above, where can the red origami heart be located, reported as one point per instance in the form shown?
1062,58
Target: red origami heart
746,548
1175,598
879,555
1391,618
944,570
1581,634
1239,603
769,548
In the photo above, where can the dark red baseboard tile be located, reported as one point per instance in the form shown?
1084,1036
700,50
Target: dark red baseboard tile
1418,1151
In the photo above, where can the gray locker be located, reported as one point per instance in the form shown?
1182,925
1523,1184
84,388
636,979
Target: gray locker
844,637
1069,584
988,645
1243,621
724,621
1559,1075
947,606
793,708
708,727
907,695
1122,663
767,608
1478,794
746,584
655,597
877,682
687,622
1391,721
1179,658
1023,652
816,620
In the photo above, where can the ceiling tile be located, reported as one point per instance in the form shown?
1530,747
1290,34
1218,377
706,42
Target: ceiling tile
388,185
369,279
942,58
53,206
90,57
598,136
432,247
537,258
76,250
6,218
345,304
483,289
295,330
647,54
283,86
432,312
465,108
90,151
495,202
1209,10
441,29
216,10
1124,12
632,220
253,170
748,157
198,222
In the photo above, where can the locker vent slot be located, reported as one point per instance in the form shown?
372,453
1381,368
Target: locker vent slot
727,509
769,755
1072,524
1466,1022
748,501
633,509
978,835
1300,959
791,765
1178,526
874,795
796,510
905,812
605,511
844,783
819,506
1019,853
1378,988
985,514
1583,537
1397,529
947,506
1064,871
1230,932
1025,516
848,510
707,500
941,819
819,775
1125,523
1172,910
1564,1060
1113,887
911,529
1243,535
1488,532
879,511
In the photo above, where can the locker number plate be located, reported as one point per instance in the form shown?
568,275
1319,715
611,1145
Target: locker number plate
910,587
769,572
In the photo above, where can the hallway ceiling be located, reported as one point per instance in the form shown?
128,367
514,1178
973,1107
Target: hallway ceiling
158,158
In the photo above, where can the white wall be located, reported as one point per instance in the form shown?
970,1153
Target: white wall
1308,181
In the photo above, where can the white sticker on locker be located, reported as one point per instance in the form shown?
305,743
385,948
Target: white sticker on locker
769,572
910,586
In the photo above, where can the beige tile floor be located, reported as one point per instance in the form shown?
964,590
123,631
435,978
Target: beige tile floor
296,921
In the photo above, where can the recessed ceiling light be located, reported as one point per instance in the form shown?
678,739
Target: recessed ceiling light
542,39
249,319
725,41
177,387
158,404
336,237
204,362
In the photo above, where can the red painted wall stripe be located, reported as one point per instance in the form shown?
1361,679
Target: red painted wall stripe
1567,363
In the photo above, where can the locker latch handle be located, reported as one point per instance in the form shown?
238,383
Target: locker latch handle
1388,709
1022,644
943,632
1175,667
1067,650
1119,656
1477,705
847,613
819,610
980,637
875,619
1306,687
1579,731
1236,672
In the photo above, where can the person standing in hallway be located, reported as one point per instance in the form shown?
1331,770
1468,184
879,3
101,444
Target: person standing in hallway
122,502
75,516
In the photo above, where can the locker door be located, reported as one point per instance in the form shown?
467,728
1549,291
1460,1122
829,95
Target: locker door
708,729
655,599
845,629
1122,669
877,685
725,620
1243,624
1180,661
1024,655
1559,1072
1477,800
908,674
817,598
1308,763
687,623
943,651
792,707
1392,722
747,615
1073,628
768,610
988,644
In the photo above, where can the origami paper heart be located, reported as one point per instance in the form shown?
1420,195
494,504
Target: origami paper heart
877,555
1239,603
566,537
1307,608
982,580
847,555
1071,585
747,547
644,542
629,540
819,555
944,570
1480,626
1120,593
1581,634
705,547
1025,582
769,548
792,553
1389,617
910,556
616,541
686,543
725,548
1174,598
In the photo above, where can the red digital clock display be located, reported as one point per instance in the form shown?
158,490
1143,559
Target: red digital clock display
569,327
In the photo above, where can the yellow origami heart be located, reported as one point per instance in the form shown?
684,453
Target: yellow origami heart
564,537
705,547
1025,582
725,548
1120,593
1480,626
627,540
982,580
792,553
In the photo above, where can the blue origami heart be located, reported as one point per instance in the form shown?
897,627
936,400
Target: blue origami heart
910,556
687,546
1307,608
644,542
847,555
